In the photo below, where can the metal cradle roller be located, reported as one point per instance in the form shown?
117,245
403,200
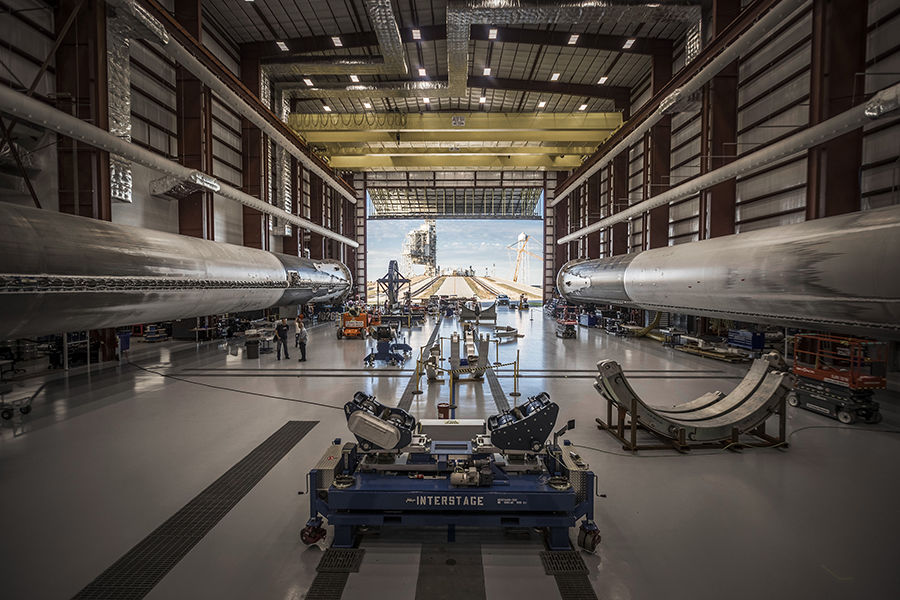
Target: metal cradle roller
834,274
61,272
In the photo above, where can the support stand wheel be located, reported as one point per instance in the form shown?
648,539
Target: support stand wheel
846,417
310,535
588,537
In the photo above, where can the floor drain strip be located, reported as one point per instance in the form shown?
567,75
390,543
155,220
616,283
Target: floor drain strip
142,567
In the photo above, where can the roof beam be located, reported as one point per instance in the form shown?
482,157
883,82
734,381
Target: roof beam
269,52
594,41
430,163
619,94
594,136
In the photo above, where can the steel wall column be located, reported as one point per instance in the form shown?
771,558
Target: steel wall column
290,244
316,215
836,84
593,242
574,201
83,171
194,117
657,159
618,233
81,88
719,131
560,228
256,233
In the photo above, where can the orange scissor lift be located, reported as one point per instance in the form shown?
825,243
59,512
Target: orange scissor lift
838,376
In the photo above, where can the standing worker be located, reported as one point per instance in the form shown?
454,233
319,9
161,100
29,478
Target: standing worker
302,336
281,332
298,325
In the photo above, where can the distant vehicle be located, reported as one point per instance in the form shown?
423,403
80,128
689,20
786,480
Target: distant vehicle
503,300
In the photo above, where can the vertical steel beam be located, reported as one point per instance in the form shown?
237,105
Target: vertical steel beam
560,228
316,215
719,128
256,233
836,84
81,88
290,244
618,233
657,159
593,241
194,124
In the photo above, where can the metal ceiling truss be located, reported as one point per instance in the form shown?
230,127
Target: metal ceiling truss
462,15
455,202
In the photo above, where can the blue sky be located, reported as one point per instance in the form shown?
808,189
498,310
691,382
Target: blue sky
461,243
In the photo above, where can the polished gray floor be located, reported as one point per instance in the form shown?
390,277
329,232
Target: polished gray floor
108,455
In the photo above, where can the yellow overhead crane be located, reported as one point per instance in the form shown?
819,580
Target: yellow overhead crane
482,140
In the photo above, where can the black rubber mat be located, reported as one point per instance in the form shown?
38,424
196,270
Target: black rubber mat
452,571
407,397
563,563
575,587
327,586
142,567
341,560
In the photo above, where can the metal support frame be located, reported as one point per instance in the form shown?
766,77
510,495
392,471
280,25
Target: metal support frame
316,244
81,87
618,233
836,84
253,174
657,159
719,135
593,244
194,123
627,425
7,137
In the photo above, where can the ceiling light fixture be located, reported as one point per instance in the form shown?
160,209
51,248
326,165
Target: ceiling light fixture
573,39
492,33
308,82
337,41
542,104
482,100
554,77
327,108
629,43
602,80
487,71
354,79
423,73
417,34
282,46
582,107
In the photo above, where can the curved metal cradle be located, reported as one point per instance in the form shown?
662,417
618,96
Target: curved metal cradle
61,272
711,418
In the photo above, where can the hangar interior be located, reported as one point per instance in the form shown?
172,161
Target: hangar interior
698,398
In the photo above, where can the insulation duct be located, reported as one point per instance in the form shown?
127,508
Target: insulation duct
177,52
882,104
767,23
831,274
391,62
22,107
462,14
62,273
125,22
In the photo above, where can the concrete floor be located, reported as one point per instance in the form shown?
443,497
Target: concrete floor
109,455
